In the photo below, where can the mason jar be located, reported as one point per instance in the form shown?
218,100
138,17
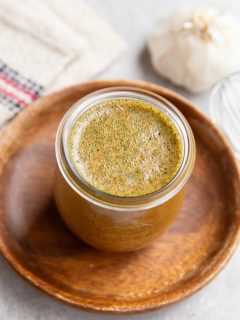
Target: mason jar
110,222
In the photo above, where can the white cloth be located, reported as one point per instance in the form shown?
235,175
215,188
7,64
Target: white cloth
55,42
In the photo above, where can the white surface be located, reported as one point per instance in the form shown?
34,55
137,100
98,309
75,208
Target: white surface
133,20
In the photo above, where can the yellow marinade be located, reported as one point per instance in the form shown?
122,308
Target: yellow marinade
125,147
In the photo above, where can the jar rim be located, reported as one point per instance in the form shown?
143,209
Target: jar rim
101,198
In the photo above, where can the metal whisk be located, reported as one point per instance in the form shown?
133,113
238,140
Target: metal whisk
224,107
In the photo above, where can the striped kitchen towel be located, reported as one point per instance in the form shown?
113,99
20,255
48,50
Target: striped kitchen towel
16,92
47,44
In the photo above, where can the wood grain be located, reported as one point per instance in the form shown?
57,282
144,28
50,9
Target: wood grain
35,241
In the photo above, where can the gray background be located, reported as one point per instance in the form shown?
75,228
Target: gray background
133,20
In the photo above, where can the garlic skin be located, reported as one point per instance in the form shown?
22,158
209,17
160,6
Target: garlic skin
196,47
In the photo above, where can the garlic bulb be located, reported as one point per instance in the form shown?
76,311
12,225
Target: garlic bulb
195,48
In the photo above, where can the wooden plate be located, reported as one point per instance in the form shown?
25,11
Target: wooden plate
35,241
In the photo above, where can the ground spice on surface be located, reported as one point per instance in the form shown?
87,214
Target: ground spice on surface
125,147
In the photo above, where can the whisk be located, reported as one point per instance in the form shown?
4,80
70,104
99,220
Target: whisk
224,107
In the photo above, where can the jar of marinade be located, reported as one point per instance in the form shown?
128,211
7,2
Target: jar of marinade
123,158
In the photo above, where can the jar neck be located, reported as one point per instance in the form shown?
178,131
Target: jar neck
112,202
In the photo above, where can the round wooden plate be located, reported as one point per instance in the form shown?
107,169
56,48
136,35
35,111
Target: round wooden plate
37,244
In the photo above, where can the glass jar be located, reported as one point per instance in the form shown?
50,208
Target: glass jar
110,222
